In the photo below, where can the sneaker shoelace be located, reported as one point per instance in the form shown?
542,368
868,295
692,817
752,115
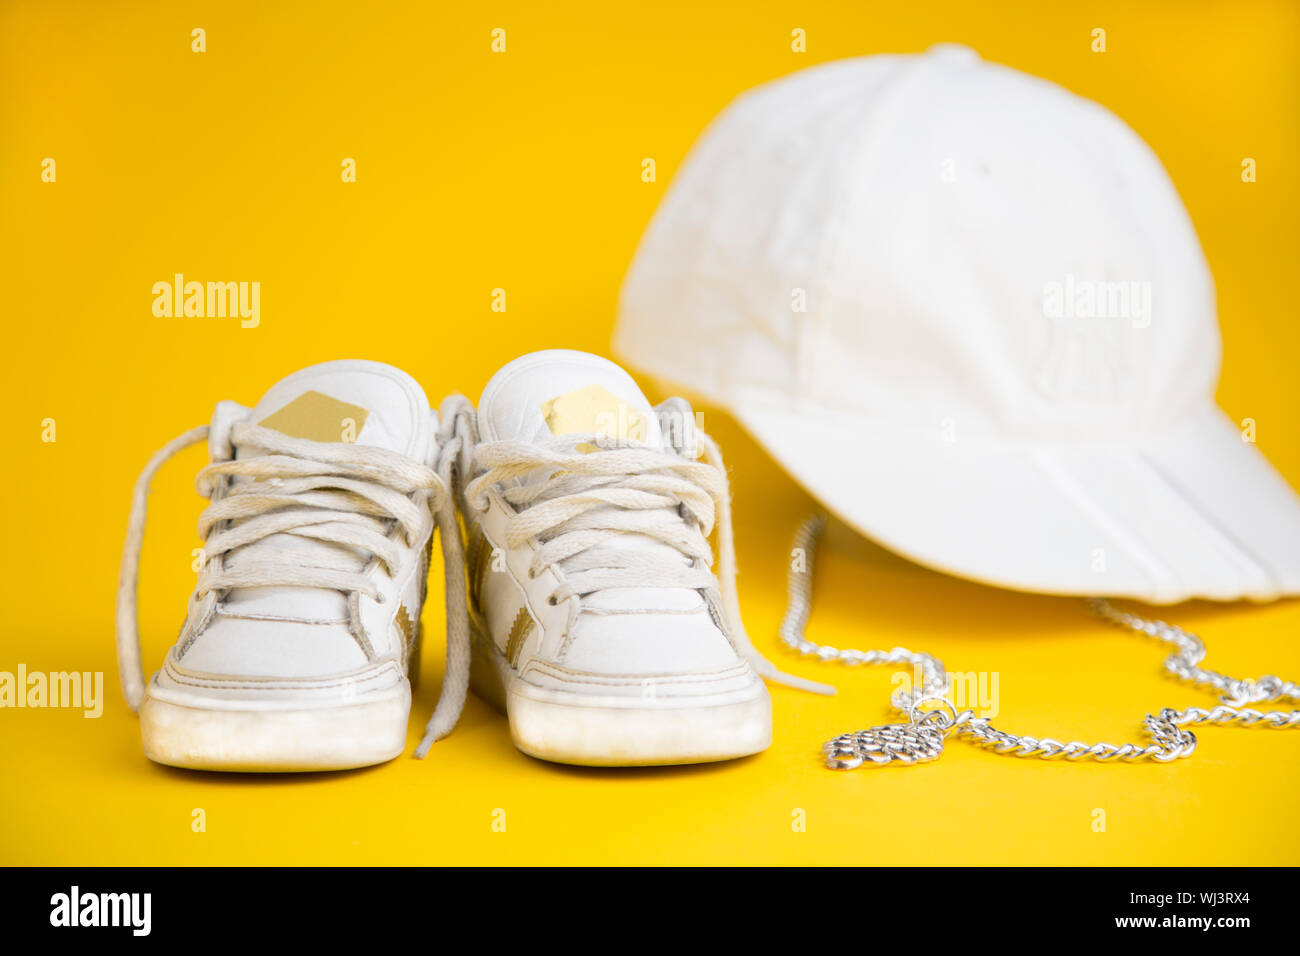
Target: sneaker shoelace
356,497
589,502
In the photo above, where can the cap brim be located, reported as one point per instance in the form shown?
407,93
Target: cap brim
1194,512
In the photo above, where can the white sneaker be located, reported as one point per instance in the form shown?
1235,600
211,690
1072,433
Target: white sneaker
305,621
597,624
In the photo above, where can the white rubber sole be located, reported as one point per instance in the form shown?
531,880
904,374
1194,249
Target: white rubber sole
357,734
596,731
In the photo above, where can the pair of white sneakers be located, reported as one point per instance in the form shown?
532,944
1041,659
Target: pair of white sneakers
580,595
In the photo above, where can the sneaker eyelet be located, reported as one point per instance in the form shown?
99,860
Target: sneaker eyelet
551,601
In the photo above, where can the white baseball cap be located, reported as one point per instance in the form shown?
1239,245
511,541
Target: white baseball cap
967,311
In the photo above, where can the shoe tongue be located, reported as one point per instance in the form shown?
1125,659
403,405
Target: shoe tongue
562,392
362,402
365,403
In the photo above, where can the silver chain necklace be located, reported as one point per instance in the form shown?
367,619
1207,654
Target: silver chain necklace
922,736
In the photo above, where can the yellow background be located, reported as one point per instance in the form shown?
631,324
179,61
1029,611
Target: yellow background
522,171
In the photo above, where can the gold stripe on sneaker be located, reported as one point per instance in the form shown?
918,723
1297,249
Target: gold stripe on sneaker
519,632
405,622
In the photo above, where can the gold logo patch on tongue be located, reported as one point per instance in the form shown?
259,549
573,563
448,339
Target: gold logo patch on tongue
594,409
318,417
